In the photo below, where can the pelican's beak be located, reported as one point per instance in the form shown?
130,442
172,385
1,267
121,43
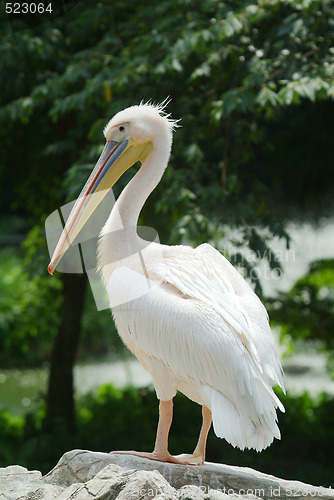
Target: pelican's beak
115,159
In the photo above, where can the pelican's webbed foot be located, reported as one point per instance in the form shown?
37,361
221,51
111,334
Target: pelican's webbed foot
184,458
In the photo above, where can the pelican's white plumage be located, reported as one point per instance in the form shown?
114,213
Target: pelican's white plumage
187,314
204,332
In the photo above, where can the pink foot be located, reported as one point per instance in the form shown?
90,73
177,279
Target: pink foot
186,458
164,457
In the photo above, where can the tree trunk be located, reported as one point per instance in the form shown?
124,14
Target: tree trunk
60,398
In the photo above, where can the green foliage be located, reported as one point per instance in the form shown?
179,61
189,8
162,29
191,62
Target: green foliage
115,419
24,337
295,162
306,311
29,312
99,336
12,432
253,85
230,69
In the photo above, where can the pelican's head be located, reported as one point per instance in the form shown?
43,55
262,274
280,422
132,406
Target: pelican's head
130,137
140,123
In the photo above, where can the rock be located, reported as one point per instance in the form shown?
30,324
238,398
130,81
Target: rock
121,485
17,483
79,466
231,480
85,475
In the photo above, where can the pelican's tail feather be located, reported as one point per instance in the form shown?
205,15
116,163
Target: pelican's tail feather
238,428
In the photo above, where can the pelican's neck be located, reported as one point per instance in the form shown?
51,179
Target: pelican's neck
133,197
126,210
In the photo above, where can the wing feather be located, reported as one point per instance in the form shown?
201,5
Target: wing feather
203,273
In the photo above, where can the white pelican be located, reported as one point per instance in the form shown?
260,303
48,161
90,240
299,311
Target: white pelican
197,327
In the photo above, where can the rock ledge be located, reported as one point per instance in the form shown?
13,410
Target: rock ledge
86,475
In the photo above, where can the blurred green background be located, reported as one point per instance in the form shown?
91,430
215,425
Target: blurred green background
251,172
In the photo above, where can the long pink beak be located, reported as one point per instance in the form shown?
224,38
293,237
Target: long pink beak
91,195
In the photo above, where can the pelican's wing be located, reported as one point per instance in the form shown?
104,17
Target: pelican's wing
204,274
249,302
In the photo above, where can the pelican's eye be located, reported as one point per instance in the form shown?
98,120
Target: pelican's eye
121,128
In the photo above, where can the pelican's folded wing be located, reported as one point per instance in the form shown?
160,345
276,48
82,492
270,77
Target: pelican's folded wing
204,274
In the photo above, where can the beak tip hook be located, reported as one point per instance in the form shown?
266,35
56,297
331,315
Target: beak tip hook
51,269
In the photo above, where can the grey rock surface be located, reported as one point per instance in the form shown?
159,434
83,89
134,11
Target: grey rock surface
17,483
86,475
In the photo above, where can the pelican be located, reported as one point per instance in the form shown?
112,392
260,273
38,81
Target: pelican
187,314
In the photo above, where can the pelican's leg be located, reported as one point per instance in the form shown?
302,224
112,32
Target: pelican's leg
160,452
161,441
198,456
